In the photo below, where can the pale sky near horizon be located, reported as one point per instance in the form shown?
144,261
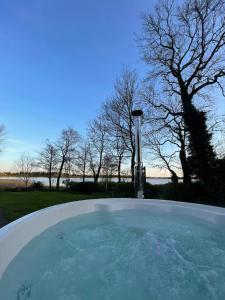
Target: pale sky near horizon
59,59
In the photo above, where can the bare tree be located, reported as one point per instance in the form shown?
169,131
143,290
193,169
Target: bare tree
217,128
66,147
117,150
118,112
108,169
163,156
25,166
167,128
48,160
185,46
82,159
125,174
69,166
97,137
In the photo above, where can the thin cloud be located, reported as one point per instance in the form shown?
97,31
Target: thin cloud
11,150
15,141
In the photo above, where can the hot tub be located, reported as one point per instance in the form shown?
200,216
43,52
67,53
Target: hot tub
115,249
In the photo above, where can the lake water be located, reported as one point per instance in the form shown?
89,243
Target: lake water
44,180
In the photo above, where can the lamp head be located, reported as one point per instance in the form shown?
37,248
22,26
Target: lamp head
137,113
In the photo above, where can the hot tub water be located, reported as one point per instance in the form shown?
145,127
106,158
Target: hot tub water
127,254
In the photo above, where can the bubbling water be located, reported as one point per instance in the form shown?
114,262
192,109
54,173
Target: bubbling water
129,254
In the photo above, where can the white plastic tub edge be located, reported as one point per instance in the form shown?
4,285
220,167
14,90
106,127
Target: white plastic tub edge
14,236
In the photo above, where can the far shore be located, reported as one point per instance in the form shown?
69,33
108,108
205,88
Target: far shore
11,183
79,176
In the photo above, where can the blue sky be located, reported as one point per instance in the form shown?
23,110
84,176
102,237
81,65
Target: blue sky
59,59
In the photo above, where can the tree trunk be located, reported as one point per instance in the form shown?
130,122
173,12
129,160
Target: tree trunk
50,176
96,178
50,181
97,174
184,165
119,171
26,183
59,174
84,171
133,165
201,150
185,168
174,177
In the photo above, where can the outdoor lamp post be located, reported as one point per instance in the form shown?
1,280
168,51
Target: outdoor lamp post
139,169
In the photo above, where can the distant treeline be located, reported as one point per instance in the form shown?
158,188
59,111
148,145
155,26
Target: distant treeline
45,174
66,175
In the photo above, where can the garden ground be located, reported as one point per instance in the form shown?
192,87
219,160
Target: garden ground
14,205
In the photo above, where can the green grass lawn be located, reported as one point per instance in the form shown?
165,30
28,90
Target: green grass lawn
17,204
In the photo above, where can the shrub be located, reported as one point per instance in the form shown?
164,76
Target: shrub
110,185
36,186
10,189
193,192
67,183
86,187
215,189
123,189
152,191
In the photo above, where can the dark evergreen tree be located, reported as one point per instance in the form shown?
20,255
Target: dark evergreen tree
202,156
